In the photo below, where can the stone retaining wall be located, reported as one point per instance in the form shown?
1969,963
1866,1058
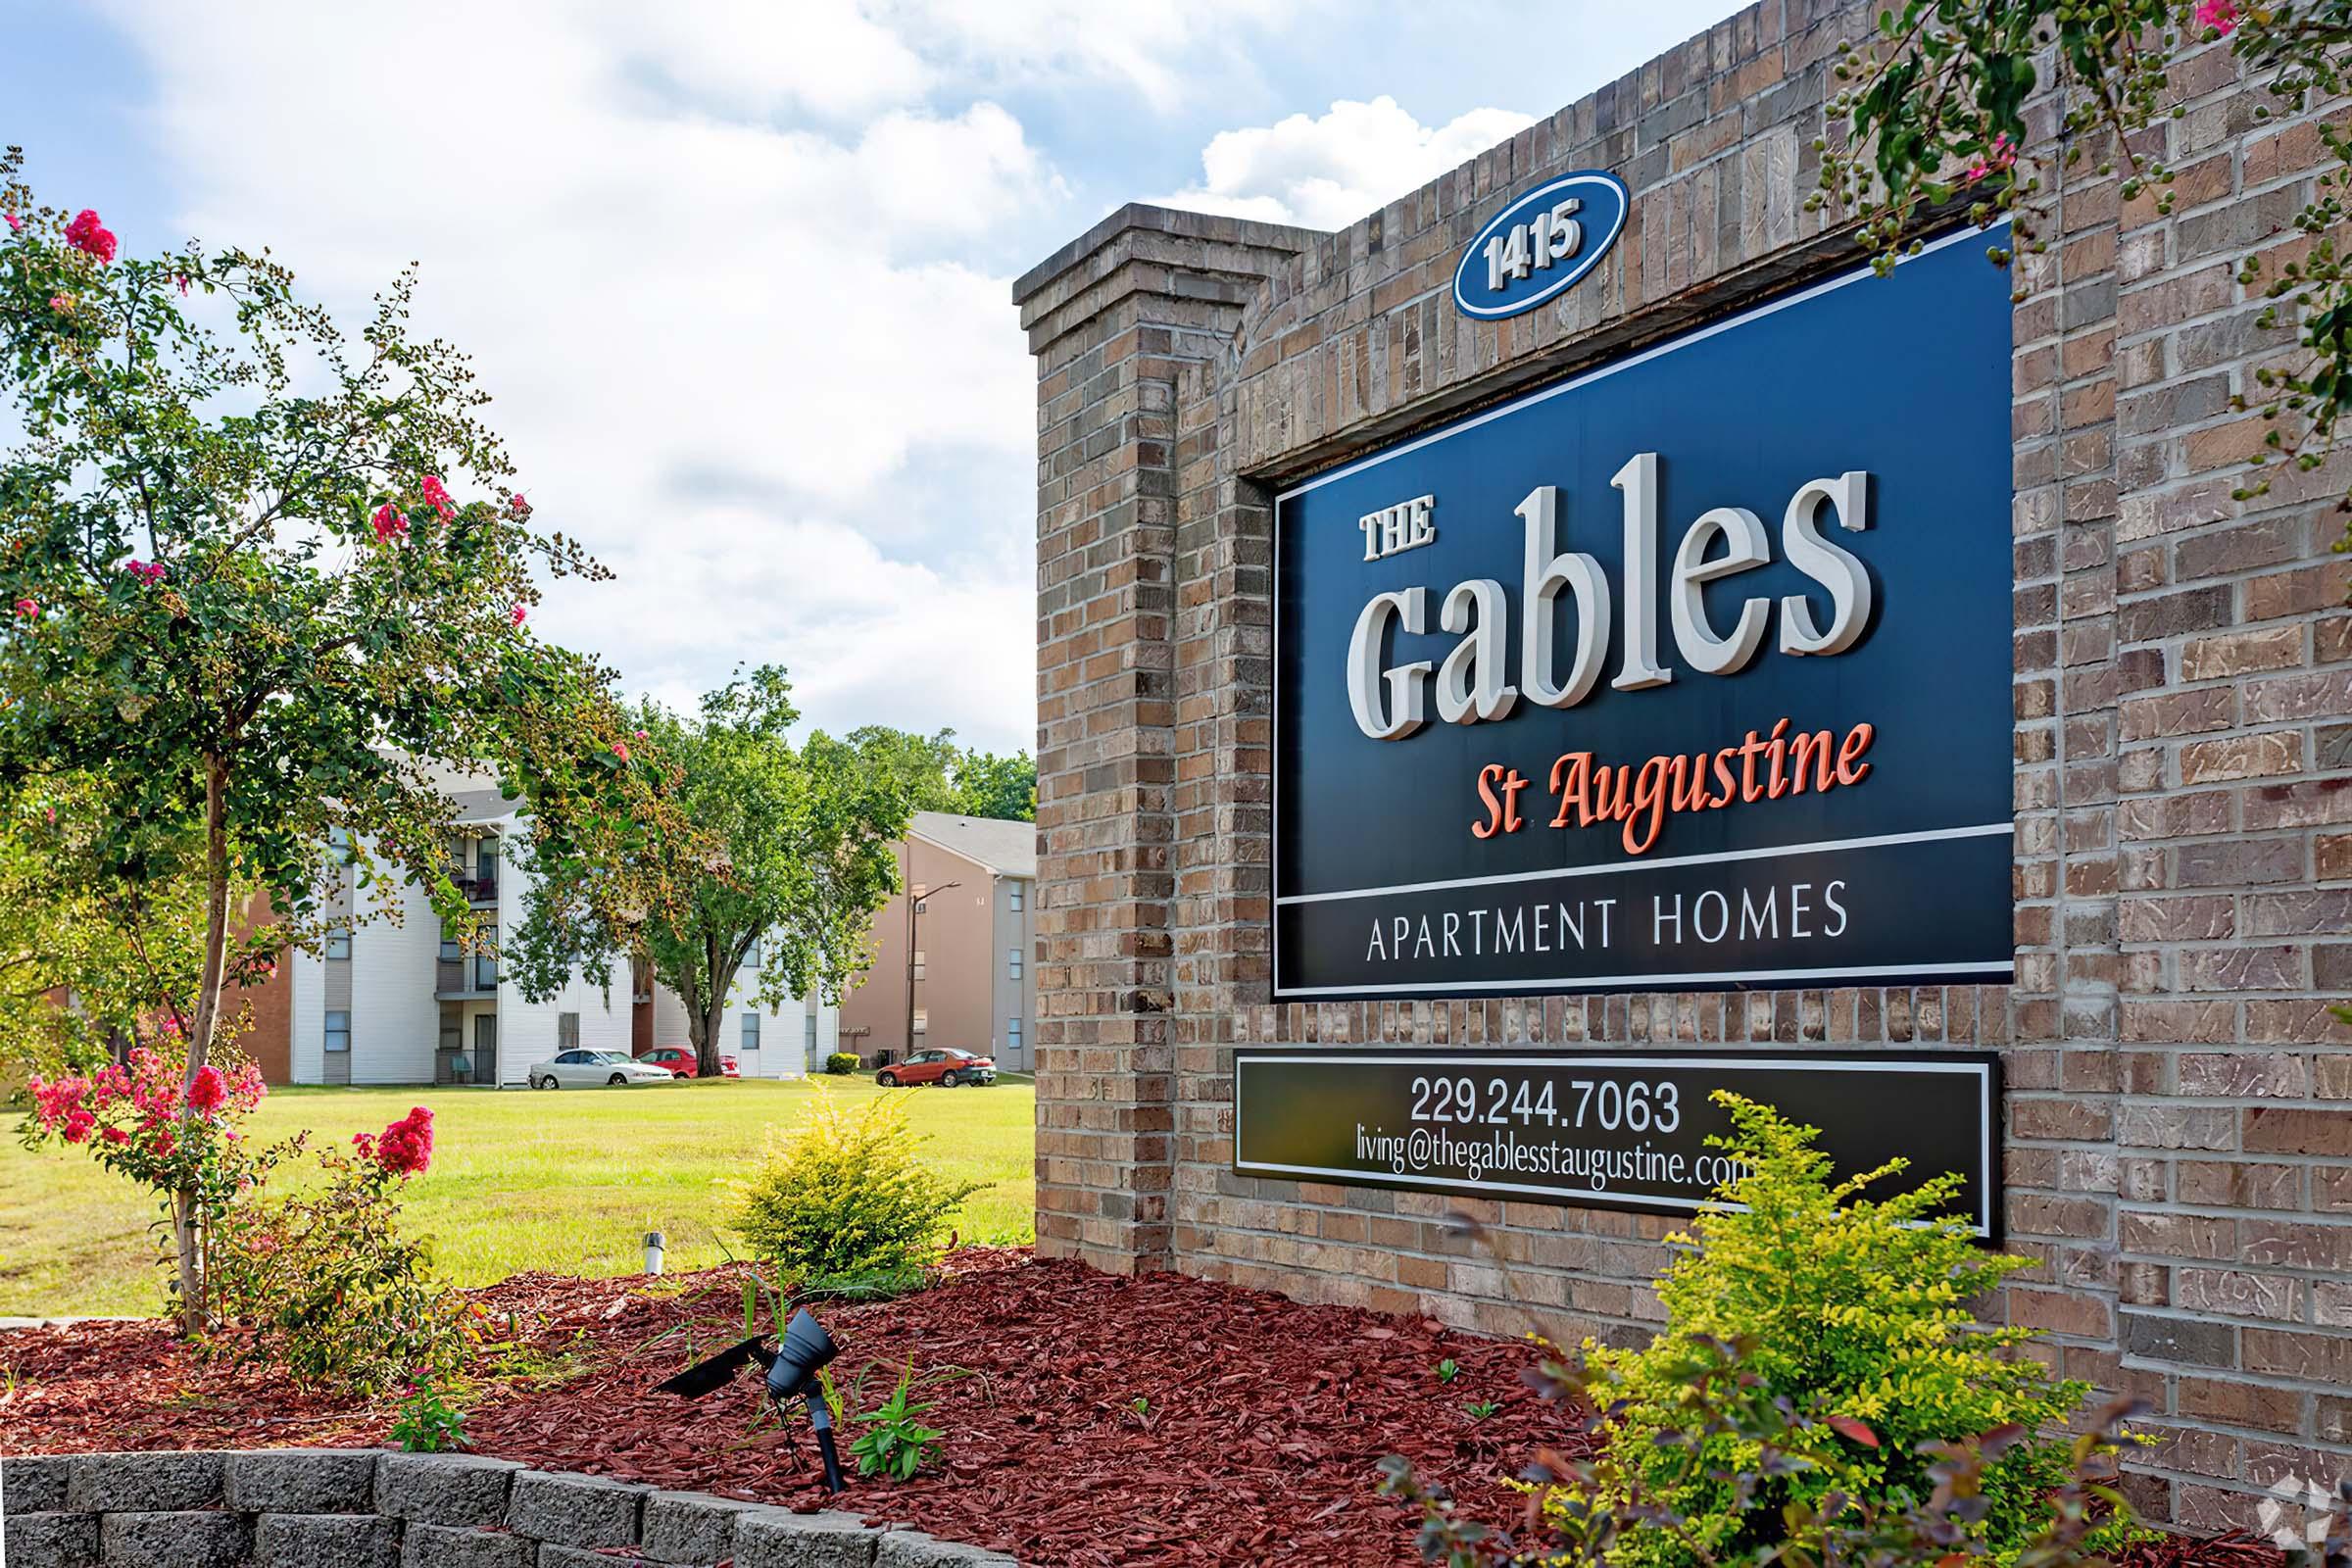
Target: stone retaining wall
369,1509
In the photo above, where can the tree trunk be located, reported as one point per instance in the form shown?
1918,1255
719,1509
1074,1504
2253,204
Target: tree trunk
187,1222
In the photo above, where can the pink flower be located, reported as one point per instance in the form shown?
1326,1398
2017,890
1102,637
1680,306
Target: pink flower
116,1136
79,1124
91,237
148,571
620,749
390,524
58,302
436,496
27,609
641,734
181,280
407,1146
1999,157
517,614
16,225
517,505
210,1092
2219,15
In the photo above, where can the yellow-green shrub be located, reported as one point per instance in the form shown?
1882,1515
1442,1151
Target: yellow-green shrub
843,1195
1847,1306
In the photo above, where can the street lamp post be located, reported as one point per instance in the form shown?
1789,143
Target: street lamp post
915,904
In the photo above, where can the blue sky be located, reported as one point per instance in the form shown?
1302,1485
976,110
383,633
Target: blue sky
737,271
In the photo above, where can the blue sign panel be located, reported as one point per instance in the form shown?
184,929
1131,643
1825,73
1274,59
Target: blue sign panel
1692,673
1539,245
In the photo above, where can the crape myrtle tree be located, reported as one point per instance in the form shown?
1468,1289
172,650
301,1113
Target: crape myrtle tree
799,851
1931,117
255,577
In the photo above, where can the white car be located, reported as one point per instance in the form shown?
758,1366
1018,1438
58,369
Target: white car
591,1069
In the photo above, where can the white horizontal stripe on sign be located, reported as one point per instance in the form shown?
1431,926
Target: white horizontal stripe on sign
1982,830
1659,980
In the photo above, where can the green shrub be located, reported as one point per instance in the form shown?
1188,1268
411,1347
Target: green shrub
325,1286
848,1195
842,1061
1855,1311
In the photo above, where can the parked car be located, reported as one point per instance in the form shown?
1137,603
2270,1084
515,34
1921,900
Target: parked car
589,1069
945,1068
680,1061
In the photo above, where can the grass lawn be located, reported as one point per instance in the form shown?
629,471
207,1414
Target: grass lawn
566,1182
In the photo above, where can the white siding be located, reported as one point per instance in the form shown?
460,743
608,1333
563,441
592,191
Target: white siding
395,1022
306,979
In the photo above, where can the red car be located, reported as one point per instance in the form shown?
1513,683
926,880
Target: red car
945,1068
679,1060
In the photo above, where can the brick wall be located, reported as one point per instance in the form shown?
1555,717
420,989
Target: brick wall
2179,1111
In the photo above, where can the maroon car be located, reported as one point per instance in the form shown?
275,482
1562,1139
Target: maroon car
945,1068
681,1063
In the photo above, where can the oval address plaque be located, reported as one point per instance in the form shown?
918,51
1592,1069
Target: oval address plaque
1541,245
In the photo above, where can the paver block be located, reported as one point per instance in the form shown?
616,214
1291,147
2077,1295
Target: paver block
425,1546
142,1483
443,1489
302,1481
687,1527
776,1538
325,1541
202,1538
575,1510
555,1555
912,1548
33,1483
50,1540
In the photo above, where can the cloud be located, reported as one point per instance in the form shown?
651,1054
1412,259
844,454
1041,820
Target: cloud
1328,171
717,333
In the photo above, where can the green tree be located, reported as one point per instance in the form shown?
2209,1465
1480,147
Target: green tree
938,775
987,785
1934,123
260,577
83,957
800,855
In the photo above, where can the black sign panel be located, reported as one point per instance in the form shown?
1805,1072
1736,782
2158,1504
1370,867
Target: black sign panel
1692,673
1621,1129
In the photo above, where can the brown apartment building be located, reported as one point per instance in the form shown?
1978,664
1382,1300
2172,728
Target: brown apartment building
962,958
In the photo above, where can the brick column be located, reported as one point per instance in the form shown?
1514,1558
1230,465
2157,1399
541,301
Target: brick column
1116,319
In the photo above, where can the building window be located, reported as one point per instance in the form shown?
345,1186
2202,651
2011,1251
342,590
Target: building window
921,962
1012,964
338,846
809,1041
923,1021
485,970
338,942
751,1031
338,1033
485,869
451,953
568,1031
1013,1034
751,956
1017,897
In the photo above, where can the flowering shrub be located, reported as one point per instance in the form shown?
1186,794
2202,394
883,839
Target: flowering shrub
329,1289
144,1119
428,1422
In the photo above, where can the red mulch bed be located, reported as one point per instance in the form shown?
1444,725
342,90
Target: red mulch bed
1263,1422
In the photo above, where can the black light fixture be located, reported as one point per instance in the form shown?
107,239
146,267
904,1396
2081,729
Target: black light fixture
791,1369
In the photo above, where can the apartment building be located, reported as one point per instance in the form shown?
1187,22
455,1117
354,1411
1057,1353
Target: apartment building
953,952
394,998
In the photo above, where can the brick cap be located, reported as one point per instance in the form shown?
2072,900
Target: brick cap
1212,226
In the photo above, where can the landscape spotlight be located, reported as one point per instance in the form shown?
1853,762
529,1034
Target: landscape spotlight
792,1368
804,1352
